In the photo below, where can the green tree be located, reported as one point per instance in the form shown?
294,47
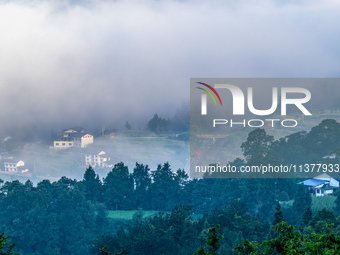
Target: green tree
291,149
127,125
181,177
159,125
337,202
213,242
104,251
118,188
324,138
92,185
164,187
256,147
321,219
50,218
289,241
180,221
5,247
181,119
278,215
142,179
302,200
307,217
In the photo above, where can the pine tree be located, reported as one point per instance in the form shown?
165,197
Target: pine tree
127,125
278,215
92,185
213,242
307,216
302,200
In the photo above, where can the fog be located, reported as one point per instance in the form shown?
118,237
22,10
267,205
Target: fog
101,63
95,63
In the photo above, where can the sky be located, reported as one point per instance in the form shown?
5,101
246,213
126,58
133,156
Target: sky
95,63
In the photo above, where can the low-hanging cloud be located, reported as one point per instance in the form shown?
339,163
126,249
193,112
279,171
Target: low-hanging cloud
97,63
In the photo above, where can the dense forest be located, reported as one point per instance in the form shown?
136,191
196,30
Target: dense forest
190,215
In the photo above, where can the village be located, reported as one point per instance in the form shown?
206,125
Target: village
74,149
74,137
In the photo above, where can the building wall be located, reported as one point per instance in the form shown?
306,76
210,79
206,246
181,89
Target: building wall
321,192
95,160
86,140
61,145
13,166
10,167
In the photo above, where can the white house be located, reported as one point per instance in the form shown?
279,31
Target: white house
73,137
321,185
13,165
81,140
97,159
61,145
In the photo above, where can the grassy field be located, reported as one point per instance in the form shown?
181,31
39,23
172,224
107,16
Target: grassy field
128,215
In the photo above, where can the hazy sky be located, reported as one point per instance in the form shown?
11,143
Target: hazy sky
89,63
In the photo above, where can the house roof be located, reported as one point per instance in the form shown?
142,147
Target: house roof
314,182
321,179
98,152
11,161
79,135
75,128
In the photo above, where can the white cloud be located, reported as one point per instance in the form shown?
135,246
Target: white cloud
125,60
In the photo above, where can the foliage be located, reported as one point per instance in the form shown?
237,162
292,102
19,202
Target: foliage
162,188
104,251
159,125
328,202
283,196
290,241
50,218
118,188
159,234
92,185
337,202
142,179
74,217
307,216
127,125
213,242
5,247
278,216
257,146
302,200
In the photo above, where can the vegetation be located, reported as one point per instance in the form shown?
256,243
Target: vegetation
290,241
161,211
5,247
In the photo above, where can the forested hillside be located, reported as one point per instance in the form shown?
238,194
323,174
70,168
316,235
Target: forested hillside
77,217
